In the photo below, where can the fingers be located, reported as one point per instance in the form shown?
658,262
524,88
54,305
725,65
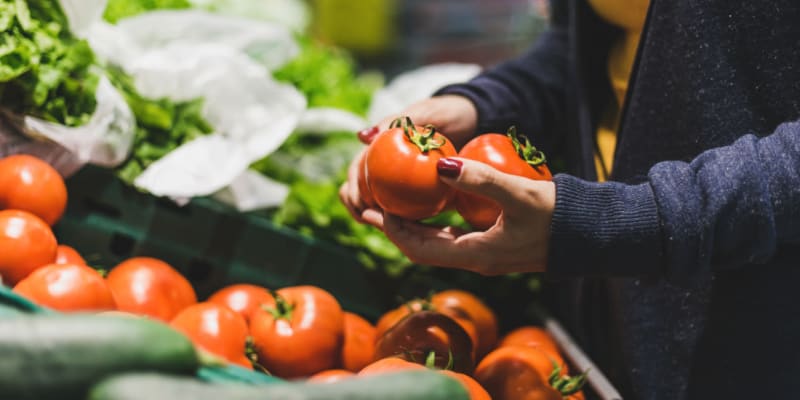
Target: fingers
471,176
424,244
348,192
373,217
366,136
485,253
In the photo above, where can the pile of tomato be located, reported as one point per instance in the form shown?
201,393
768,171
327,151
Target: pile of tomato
297,332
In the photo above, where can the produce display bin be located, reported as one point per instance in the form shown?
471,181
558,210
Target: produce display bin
214,245
13,305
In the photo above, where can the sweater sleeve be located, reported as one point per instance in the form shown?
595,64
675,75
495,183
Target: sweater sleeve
527,91
730,206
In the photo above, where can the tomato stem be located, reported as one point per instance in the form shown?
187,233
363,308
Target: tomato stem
252,355
282,308
528,152
425,141
566,385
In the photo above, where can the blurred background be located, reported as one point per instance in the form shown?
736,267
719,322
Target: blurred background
389,35
395,35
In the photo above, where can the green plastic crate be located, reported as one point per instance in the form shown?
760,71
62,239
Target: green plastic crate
212,244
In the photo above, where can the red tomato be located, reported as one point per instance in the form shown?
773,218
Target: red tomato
331,376
30,184
401,170
243,298
299,332
390,364
151,287
456,302
26,243
506,154
425,334
67,287
68,255
475,390
531,336
520,372
392,317
359,342
363,188
216,329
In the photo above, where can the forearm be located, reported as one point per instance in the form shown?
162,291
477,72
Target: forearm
730,206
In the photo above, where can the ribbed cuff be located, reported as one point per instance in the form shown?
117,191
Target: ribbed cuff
604,229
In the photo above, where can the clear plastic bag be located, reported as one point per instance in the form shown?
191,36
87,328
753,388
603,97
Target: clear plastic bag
105,140
184,55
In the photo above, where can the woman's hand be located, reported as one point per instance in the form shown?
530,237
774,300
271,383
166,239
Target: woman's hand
518,242
454,116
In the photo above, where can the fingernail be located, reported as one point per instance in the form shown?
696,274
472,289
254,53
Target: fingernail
366,135
448,167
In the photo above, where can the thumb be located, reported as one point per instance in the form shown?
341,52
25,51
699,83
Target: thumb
482,179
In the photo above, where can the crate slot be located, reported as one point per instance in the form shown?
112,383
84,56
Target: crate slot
121,245
102,208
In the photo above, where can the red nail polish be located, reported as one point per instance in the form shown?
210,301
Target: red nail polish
449,167
366,135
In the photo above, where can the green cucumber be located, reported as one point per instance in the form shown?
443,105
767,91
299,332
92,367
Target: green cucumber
407,385
61,356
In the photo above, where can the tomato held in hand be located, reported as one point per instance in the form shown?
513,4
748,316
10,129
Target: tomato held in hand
401,170
216,329
26,243
363,188
299,332
151,287
67,255
506,154
455,302
30,184
67,287
243,298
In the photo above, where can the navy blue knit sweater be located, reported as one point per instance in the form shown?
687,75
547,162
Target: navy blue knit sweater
687,266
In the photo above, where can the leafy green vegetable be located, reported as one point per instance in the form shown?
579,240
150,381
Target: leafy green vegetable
45,71
119,9
315,166
314,209
161,125
328,77
314,158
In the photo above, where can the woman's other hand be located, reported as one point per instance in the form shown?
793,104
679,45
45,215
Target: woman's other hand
518,242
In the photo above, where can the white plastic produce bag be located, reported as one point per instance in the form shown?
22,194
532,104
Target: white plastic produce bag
226,61
105,140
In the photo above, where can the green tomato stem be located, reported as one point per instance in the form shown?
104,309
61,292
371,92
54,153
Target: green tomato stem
425,141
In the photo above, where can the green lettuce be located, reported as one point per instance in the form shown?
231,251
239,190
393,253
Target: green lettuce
45,71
